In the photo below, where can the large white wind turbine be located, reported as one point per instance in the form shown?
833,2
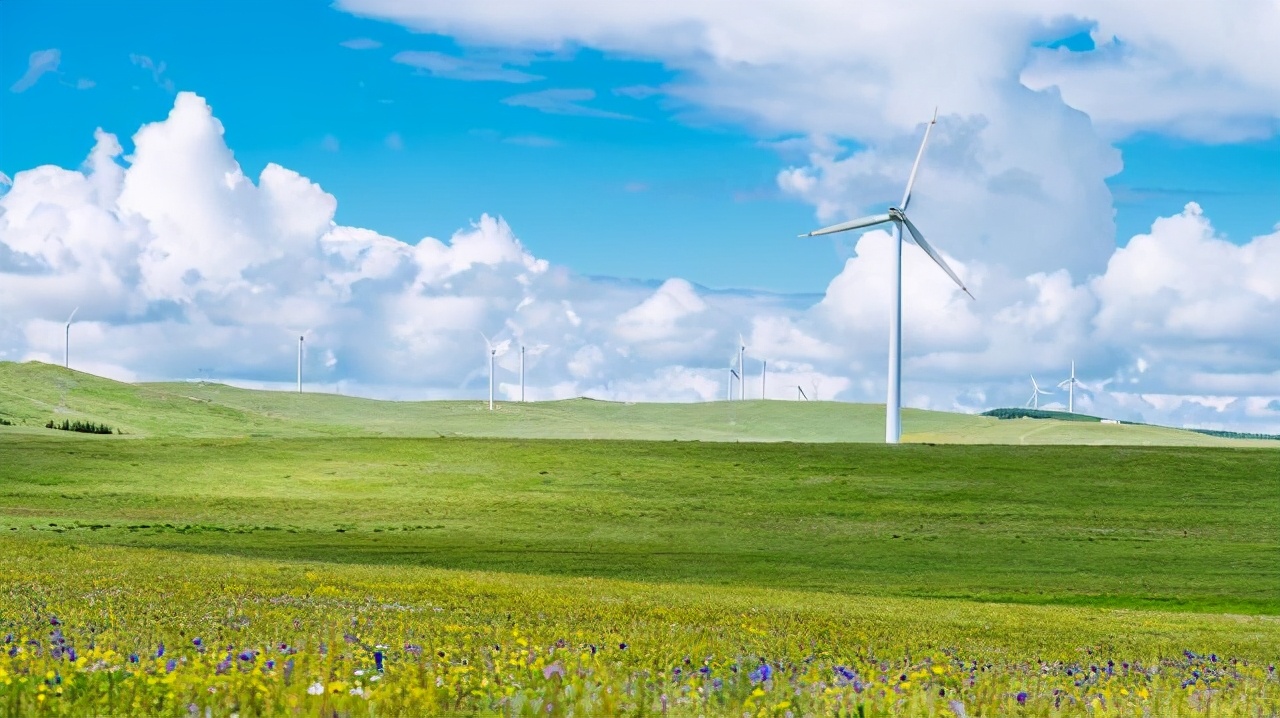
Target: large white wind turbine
1036,391
897,216
66,348
1070,384
300,341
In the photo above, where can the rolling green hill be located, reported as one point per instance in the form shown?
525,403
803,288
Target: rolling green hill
33,393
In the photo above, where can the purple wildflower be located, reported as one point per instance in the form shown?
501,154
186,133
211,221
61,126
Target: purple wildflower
13,651
269,664
762,674
160,650
223,665
377,660
1022,698
53,621
170,666
705,670
8,638
555,669
197,642
717,684
622,646
133,658
71,653
246,655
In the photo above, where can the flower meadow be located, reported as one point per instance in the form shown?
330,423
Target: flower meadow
144,632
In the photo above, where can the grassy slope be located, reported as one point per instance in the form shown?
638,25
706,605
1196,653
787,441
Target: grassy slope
1193,529
33,393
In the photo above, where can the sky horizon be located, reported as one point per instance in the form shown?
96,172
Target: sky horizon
620,190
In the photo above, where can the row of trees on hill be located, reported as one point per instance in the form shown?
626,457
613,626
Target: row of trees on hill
84,427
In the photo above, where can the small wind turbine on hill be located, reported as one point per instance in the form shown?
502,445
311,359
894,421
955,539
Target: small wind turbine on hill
742,375
733,374
897,217
300,342
66,348
493,353
1070,384
1036,391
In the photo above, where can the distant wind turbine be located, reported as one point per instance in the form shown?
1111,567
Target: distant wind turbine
764,370
800,395
897,216
66,349
493,353
742,382
733,374
1070,384
1036,391
300,341
521,373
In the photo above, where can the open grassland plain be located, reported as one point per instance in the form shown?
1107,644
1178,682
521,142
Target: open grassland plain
1173,528
366,576
31,394
109,630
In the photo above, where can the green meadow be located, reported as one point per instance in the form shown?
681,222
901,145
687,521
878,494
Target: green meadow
338,555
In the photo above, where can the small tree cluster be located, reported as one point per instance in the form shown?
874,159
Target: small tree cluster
84,427
5,422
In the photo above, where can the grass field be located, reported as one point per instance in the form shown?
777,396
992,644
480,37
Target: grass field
328,570
32,393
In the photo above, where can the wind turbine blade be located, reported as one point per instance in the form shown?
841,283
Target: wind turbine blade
73,314
919,238
852,224
911,182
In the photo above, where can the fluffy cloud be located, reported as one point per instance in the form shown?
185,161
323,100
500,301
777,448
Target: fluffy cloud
183,267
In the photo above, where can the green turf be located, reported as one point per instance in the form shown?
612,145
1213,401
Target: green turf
32,393
1176,528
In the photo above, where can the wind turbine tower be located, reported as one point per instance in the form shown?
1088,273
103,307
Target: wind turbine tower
764,370
66,348
742,382
521,373
1070,384
493,353
897,217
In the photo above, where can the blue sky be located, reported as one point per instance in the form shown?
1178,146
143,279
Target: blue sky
1105,176
668,193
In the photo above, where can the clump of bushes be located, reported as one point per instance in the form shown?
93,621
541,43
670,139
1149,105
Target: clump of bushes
5,422
84,427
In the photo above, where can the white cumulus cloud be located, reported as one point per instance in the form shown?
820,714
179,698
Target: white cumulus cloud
185,267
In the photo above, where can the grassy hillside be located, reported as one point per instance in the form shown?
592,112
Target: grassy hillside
1124,526
32,393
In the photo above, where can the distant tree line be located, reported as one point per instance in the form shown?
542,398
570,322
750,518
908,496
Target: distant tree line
84,427
1038,414
1236,434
